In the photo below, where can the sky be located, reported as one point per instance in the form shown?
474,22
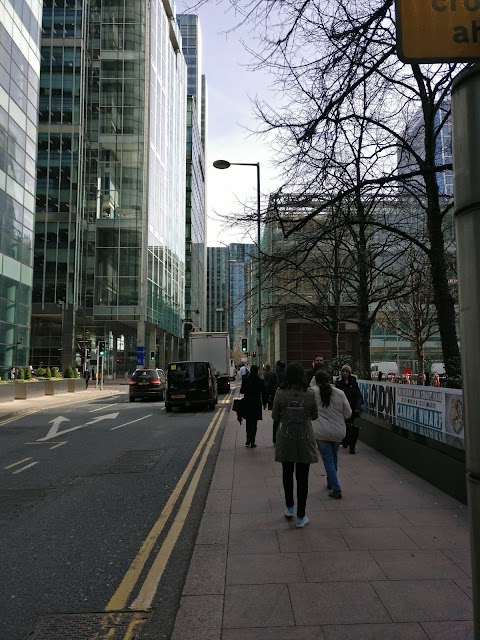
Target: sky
230,86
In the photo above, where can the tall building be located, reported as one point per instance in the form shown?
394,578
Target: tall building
110,238
229,291
195,209
19,77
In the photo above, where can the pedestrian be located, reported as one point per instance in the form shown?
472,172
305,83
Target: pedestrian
270,378
93,373
333,410
349,385
279,378
86,375
294,407
318,363
244,371
254,398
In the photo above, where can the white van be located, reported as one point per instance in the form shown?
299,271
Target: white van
385,368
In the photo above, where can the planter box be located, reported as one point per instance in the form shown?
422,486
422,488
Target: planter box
24,390
7,392
76,384
52,387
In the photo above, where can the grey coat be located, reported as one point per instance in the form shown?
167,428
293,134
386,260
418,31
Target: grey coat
287,450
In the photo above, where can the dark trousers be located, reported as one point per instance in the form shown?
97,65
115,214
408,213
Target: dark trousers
351,436
251,428
301,475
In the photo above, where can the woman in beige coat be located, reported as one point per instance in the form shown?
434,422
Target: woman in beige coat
295,447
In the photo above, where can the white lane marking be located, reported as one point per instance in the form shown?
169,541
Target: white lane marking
137,420
15,464
104,407
49,436
56,422
32,464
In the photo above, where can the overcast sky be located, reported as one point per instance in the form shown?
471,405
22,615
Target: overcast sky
230,87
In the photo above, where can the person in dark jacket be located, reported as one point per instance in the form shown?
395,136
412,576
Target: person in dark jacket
295,451
279,379
254,398
270,379
318,363
349,385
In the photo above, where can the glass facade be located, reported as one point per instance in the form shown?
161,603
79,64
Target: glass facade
195,209
229,288
19,77
110,252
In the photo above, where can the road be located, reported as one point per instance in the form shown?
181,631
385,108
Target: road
99,508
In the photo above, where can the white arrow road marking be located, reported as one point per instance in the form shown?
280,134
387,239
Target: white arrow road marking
56,422
49,436
137,420
32,464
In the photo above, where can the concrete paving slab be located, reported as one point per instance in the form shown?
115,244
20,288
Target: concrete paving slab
257,606
287,633
247,505
449,630
255,542
206,575
340,566
359,538
311,538
213,529
336,603
277,568
439,537
218,501
424,600
436,517
349,503
258,522
417,564
406,631
461,557
376,518
199,617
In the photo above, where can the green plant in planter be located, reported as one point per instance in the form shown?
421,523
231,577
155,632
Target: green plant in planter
55,372
48,373
41,372
20,374
68,372
28,374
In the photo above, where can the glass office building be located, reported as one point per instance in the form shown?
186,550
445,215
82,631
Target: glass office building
19,75
195,208
111,192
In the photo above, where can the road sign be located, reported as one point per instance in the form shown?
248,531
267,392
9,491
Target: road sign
438,30
140,355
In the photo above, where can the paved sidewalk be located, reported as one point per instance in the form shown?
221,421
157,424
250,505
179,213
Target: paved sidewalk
16,408
390,561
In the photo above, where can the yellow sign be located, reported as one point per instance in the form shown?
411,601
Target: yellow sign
438,30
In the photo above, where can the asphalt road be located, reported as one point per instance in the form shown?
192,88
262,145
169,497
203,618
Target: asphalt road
81,488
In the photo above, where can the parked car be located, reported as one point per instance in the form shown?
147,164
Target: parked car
147,383
190,384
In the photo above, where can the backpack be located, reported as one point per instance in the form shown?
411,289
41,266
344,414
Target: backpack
294,421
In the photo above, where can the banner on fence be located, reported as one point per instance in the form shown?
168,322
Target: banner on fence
431,411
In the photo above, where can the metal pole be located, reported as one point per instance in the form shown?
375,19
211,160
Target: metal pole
466,159
259,327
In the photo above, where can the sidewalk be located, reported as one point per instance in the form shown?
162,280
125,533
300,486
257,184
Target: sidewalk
20,407
390,561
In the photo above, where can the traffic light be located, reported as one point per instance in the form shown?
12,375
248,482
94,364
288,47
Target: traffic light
152,355
101,348
254,353
244,345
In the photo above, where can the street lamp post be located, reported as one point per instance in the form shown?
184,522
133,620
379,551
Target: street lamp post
224,164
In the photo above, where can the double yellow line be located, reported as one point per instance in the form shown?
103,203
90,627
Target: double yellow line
149,587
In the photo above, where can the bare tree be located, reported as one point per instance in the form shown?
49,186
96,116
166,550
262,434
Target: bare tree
413,316
322,55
